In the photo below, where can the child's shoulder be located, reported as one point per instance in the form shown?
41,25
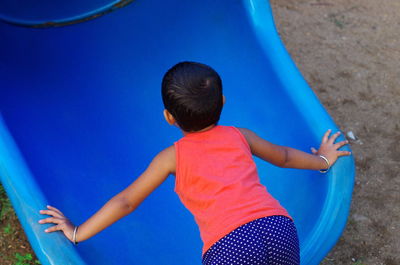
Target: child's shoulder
243,131
167,159
250,136
246,135
168,153
246,132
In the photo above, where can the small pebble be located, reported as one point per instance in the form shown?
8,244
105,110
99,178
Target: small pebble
351,135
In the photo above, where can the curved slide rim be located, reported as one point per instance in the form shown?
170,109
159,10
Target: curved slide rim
27,199
337,204
65,20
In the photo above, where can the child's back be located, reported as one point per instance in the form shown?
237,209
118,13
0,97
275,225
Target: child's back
217,180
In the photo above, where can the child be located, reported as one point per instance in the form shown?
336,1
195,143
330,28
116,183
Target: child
216,177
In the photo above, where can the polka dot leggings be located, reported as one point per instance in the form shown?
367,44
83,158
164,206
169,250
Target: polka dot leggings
269,240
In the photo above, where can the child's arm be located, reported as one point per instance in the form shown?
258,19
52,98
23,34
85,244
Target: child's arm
292,158
120,205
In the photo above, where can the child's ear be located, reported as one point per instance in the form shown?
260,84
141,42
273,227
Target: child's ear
169,118
223,100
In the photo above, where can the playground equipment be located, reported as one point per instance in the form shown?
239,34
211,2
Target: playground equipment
81,117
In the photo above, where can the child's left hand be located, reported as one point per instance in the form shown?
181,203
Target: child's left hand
329,148
58,218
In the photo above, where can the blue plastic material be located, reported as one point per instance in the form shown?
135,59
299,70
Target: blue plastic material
54,12
82,117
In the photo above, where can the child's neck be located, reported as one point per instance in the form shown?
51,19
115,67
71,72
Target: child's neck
202,130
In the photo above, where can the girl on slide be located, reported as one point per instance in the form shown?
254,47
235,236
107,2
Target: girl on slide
216,177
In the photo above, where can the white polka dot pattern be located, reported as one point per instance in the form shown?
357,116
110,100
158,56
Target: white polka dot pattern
270,240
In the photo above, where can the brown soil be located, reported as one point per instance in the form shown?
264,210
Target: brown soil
14,246
348,52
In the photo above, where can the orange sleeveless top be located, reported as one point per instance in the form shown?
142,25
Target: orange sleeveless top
217,181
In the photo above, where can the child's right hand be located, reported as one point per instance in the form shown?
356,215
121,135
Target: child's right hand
63,223
329,148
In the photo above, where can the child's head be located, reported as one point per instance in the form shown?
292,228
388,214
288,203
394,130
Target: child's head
192,94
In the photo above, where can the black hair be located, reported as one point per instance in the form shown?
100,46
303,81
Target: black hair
192,93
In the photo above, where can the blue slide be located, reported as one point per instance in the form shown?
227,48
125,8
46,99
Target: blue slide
81,118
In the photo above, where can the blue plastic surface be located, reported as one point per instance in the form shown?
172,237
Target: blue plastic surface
45,13
82,117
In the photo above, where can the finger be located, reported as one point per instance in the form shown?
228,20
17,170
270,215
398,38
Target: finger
54,209
343,153
53,229
340,144
326,136
314,151
334,137
50,220
52,213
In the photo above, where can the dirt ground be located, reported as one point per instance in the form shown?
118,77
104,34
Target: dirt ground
348,51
